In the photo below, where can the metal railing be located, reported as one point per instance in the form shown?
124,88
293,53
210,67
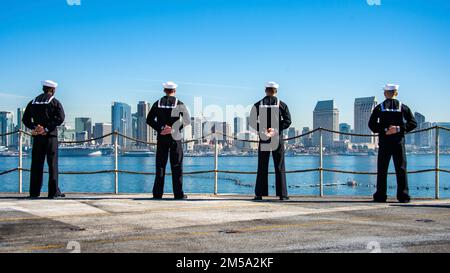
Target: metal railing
216,171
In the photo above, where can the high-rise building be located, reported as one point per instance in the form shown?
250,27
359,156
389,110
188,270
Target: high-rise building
19,123
84,125
444,136
6,126
420,119
424,139
307,139
239,125
134,122
143,131
326,116
345,128
197,129
121,121
26,140
363,110
102,129
187,135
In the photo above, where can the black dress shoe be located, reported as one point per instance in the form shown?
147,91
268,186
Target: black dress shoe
258,198
406,201
379,201
58,196
284,198
33,197
157,197
184,197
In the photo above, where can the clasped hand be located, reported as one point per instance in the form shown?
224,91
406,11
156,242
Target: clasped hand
392,130
270,133
166,131
39,131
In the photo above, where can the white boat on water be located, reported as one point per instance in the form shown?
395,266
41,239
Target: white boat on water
138,153
79,151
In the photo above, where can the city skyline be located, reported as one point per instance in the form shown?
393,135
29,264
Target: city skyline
326,115
298,123
124,113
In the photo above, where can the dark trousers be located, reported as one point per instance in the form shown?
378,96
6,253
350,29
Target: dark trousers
398,153
262,179
167,146
44,146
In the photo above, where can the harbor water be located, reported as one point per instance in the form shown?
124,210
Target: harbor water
421,185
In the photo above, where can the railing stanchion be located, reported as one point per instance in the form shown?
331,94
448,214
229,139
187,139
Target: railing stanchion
437,166
116,162
321,162
216,167
20,161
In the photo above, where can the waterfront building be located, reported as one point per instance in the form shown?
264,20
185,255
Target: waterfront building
345,128
290,134
121,121
143,131
6,126
326,116
362,111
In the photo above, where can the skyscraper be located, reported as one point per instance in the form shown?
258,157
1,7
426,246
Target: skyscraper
291,133
84,125
363,110
19,123
143,131
187,135
444,136
6,126
424,139
239,126
26,140
121,121
101,129
307,139
197,129
420,125
326,116
134,124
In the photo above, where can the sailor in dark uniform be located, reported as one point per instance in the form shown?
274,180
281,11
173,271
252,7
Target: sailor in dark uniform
391,120
43,115
168,116
270,117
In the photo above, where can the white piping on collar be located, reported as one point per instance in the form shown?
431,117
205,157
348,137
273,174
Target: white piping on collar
167,106
43,102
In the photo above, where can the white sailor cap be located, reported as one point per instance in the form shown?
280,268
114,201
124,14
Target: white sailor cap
391,87
272,85
170,85
49,83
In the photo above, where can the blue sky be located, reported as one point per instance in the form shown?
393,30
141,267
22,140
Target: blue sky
224,50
